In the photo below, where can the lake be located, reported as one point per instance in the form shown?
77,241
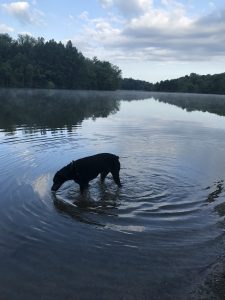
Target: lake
161,236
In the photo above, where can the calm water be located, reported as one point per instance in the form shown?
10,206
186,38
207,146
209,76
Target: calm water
156,238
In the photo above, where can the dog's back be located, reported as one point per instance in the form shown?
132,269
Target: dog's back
101,161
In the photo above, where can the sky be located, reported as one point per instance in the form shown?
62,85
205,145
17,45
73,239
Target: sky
150,40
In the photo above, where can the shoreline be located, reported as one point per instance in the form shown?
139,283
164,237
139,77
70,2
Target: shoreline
212,285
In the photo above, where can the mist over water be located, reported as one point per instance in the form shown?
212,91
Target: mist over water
156,238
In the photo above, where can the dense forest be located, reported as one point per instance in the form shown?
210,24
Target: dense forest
34,63
194,83
134,84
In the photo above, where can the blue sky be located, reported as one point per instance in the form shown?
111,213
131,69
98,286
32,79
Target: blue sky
151,40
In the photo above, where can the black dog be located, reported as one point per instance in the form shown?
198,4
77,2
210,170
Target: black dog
85,169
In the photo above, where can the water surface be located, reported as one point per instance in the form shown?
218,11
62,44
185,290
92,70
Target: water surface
156,238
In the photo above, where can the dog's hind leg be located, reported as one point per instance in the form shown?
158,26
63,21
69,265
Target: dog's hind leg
116,178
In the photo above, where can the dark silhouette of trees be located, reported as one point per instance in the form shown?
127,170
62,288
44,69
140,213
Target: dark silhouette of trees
34,63
194,83
134,84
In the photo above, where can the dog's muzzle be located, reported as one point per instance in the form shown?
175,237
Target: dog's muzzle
55,187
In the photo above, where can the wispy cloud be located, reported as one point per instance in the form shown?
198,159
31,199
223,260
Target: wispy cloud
84,16
24,13
5,29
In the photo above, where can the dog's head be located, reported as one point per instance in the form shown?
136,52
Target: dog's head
61,176
58,180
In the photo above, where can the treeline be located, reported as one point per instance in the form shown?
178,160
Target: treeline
27,62
134,84
194,83
36,63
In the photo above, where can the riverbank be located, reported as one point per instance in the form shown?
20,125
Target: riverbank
212,286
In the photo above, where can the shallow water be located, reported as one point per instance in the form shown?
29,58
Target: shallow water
155,238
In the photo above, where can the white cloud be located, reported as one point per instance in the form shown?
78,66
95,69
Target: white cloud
25,33
132,7
94,33
24,13
127,8
5,29
16,7
20,10
166,33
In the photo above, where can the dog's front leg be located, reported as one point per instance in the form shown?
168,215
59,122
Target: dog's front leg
83,186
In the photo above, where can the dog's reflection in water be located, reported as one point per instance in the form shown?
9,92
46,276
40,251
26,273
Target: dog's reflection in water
79,206
105,200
